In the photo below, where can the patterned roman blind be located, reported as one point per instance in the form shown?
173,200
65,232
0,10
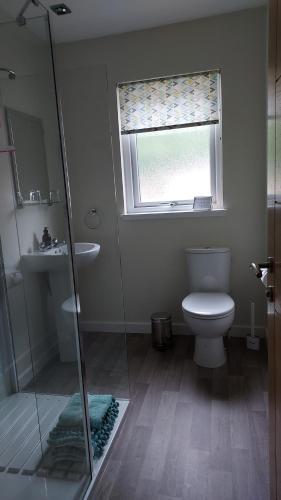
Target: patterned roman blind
178,101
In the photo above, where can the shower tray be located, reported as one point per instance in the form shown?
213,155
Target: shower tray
22,442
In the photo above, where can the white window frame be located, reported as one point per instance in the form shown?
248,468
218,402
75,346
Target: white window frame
132,203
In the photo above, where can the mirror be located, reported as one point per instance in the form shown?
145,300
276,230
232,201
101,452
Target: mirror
30,172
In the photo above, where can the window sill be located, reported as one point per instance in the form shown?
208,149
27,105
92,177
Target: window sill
175,214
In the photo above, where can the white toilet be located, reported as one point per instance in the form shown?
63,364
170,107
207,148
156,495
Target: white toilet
208,309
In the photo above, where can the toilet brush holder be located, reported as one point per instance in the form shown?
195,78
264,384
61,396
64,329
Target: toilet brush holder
253,342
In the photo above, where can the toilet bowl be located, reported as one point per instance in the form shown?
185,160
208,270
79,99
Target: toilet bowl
208,310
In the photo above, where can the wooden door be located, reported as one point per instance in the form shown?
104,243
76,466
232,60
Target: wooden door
274,244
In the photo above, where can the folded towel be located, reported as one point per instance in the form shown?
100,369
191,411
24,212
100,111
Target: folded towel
72,415
67,453
67,439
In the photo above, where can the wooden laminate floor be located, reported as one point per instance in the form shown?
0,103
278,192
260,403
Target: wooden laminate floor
191,433
106,369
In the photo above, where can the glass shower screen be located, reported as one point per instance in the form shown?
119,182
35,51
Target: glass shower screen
44,445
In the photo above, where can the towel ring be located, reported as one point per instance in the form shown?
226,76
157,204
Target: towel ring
92,219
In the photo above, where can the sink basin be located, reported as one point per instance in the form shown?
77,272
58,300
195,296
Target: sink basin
85,253
56,258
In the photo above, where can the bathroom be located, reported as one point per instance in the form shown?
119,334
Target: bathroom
85,262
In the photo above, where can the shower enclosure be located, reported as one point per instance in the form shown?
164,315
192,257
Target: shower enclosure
43,368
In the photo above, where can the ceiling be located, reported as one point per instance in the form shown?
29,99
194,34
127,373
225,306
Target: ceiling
96,18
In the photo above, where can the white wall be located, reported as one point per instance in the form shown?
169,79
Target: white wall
153,264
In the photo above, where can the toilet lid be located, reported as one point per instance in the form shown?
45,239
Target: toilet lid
208,305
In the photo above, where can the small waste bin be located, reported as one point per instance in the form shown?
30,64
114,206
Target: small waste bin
161,329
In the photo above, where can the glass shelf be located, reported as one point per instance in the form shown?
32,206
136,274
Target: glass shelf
28,203
7,149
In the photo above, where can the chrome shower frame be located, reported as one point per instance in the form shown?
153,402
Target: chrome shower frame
11,73
20,19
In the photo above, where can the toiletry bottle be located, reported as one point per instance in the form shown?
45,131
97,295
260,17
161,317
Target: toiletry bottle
46,238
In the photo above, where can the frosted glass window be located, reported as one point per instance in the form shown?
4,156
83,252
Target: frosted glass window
174,165
170,134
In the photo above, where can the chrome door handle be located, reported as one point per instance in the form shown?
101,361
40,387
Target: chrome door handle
257,268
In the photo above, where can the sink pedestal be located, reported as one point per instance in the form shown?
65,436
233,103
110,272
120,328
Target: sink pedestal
56,263
65,323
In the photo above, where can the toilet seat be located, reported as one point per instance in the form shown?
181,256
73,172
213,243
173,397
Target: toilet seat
206,305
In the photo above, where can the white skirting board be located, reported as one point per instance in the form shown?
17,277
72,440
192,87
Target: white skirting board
145,327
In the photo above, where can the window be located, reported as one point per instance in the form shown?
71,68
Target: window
171,142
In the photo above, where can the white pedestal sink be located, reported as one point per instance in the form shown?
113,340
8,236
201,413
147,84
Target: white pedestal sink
56,259
56,263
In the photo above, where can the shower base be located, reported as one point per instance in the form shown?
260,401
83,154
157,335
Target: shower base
24,442
123,405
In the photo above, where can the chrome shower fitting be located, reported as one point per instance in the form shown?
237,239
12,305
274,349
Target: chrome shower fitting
20,17
60,9
11,74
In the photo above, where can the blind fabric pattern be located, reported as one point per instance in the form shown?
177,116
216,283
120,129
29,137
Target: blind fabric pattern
179,101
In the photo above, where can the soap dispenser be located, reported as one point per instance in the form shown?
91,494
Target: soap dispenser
46,238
